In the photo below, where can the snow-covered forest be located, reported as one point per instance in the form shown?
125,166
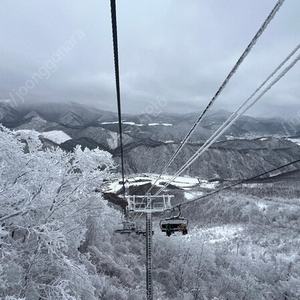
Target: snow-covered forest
149,150
58,241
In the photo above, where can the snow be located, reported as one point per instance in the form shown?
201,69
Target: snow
113,140
160,124
247,136
251,185
136,124
261,205
180,182
184,182
113,187
107,123
138,181
215,234
208,185
220,234
26,133
138,178
230,137
116,186
56,136
126,123
296,141
190,195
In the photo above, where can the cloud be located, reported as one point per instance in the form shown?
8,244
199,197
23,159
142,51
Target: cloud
177,50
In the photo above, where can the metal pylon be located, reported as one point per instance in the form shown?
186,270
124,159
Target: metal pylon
142,204
149,284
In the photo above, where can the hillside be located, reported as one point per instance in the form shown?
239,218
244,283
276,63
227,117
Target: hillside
149,140
60,242
60,239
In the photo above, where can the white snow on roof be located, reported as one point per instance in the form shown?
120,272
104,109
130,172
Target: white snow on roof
57,136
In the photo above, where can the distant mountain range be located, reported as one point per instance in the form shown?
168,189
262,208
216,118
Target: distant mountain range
150,140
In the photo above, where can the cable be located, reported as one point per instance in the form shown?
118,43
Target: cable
227,124
236,115
117,78
235,184
223,85
230,186
232,72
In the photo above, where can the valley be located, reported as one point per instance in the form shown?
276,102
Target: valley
242,242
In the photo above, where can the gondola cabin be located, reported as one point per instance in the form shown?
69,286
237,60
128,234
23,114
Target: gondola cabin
173,225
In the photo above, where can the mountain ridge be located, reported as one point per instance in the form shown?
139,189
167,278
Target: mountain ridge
250,146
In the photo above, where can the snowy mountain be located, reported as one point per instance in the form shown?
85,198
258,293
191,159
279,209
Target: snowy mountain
233,159
58,235
171,126
8,114
250,146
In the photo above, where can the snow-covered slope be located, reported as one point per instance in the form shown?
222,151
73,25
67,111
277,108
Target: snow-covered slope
182,182
57,136
224,160
247,148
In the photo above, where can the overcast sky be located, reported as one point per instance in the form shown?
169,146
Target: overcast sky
174,54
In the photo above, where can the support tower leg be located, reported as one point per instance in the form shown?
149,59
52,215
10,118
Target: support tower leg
149,284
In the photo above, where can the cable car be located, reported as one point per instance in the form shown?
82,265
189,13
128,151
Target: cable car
128,228
174,224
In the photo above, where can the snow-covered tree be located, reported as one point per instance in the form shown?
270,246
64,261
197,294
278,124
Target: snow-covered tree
46,198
